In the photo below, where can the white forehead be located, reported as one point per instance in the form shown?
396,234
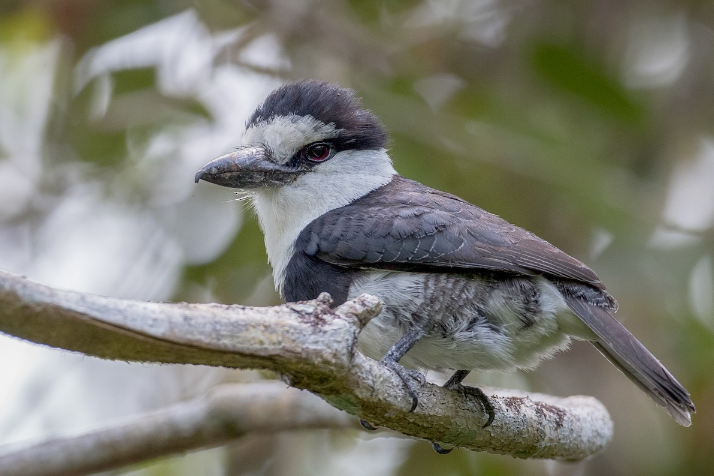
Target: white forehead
285,135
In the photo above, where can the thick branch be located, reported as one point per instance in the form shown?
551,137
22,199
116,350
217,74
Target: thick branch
313,348
226,413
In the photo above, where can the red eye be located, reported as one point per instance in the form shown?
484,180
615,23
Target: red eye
319,152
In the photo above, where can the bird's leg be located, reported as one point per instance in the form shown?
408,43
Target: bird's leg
454,383
391,361
394,355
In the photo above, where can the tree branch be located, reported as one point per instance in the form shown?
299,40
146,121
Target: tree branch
224,414
313,347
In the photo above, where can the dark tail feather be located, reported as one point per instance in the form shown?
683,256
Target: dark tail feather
637,363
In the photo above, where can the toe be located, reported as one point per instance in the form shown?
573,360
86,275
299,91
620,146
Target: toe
408,378
367,425
442,451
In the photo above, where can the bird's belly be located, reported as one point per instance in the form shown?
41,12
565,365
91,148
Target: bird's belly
471,323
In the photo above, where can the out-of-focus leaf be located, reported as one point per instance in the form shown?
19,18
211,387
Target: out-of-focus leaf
133,79
25,24
567,70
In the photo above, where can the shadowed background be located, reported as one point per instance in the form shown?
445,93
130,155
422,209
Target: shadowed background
588,123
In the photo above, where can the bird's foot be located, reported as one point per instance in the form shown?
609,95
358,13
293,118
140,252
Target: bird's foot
442,451
367,425
454,383
478,394
410,378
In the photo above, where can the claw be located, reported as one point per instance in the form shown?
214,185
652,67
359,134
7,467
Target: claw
442,451
408,376
478,394
486,404
367,425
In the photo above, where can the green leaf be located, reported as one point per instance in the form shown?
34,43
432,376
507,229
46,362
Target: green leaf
571,72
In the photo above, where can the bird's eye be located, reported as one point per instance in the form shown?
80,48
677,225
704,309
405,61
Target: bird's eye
318,152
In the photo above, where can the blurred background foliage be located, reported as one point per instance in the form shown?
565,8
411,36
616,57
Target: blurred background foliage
589,123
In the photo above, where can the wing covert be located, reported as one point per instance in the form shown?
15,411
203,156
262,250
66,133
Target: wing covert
405,225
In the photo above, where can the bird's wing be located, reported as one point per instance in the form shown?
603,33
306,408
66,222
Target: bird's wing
408,226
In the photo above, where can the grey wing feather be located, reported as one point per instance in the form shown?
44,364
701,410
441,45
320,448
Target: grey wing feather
408,226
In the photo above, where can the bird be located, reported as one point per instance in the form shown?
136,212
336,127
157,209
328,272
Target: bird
462,289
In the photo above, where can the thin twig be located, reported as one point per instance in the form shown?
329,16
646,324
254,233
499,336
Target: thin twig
224,414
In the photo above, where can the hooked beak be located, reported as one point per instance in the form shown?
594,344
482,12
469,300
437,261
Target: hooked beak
247,167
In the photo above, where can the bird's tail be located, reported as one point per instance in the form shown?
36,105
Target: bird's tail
637,363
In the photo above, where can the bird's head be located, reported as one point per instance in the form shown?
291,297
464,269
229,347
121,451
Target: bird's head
300,129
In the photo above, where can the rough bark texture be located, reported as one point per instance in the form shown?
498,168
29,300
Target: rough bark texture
312,347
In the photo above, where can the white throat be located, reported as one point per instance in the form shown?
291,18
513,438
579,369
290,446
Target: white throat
284,212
